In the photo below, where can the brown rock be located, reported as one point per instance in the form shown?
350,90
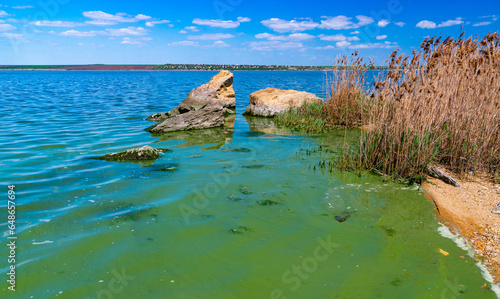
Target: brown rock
217,92
142,153
205,118
271,101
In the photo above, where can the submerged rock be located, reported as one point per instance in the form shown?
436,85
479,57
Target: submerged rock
217,92
205,118
244,190
343,217
267,202
239,230
234,198
237,149
254,166
142,153
271,101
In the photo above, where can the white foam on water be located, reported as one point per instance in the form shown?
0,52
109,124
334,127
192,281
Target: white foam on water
445,232
41,243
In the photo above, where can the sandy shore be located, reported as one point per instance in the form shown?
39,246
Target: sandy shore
467,211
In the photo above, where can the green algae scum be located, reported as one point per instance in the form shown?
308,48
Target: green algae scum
244,211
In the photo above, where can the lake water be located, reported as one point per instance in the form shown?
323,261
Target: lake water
235,212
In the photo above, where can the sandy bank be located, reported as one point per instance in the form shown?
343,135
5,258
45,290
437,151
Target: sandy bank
467,211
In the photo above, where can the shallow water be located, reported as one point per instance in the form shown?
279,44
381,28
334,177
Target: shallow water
234,212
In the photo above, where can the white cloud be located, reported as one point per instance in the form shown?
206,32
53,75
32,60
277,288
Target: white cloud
381,37
343,22
109,19
220,44
385,45
221,23
400,24
264,35
109,32
213,36
192,28
243,19
281,26
481,24
183,31
338,38
383,23
7,27
342,44
136,41
153,23
325,48
127,31
129,41
217,23
184,43
449,23
12,35
275,45
355,32
100,22
75,33
493,17
100,15
290,37
54,24
22,7
3,14
142,17
426,24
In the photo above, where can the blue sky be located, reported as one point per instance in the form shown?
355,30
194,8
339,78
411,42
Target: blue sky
288,32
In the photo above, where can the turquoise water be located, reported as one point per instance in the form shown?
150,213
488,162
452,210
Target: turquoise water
233,212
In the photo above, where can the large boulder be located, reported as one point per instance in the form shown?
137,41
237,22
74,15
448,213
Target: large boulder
142,153
205,118
271,101
217,92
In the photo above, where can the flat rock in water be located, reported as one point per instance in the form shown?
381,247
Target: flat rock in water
142,153
271,101
217,92
205,118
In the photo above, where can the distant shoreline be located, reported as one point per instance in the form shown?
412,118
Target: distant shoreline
176,67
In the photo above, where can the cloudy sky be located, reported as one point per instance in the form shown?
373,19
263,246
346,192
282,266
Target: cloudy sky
292,32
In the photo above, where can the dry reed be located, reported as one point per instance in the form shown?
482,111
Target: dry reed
442,105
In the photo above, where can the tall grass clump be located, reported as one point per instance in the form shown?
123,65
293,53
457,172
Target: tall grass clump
347,101
441,105
308,118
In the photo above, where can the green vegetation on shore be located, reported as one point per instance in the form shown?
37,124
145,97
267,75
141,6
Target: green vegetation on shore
439,105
